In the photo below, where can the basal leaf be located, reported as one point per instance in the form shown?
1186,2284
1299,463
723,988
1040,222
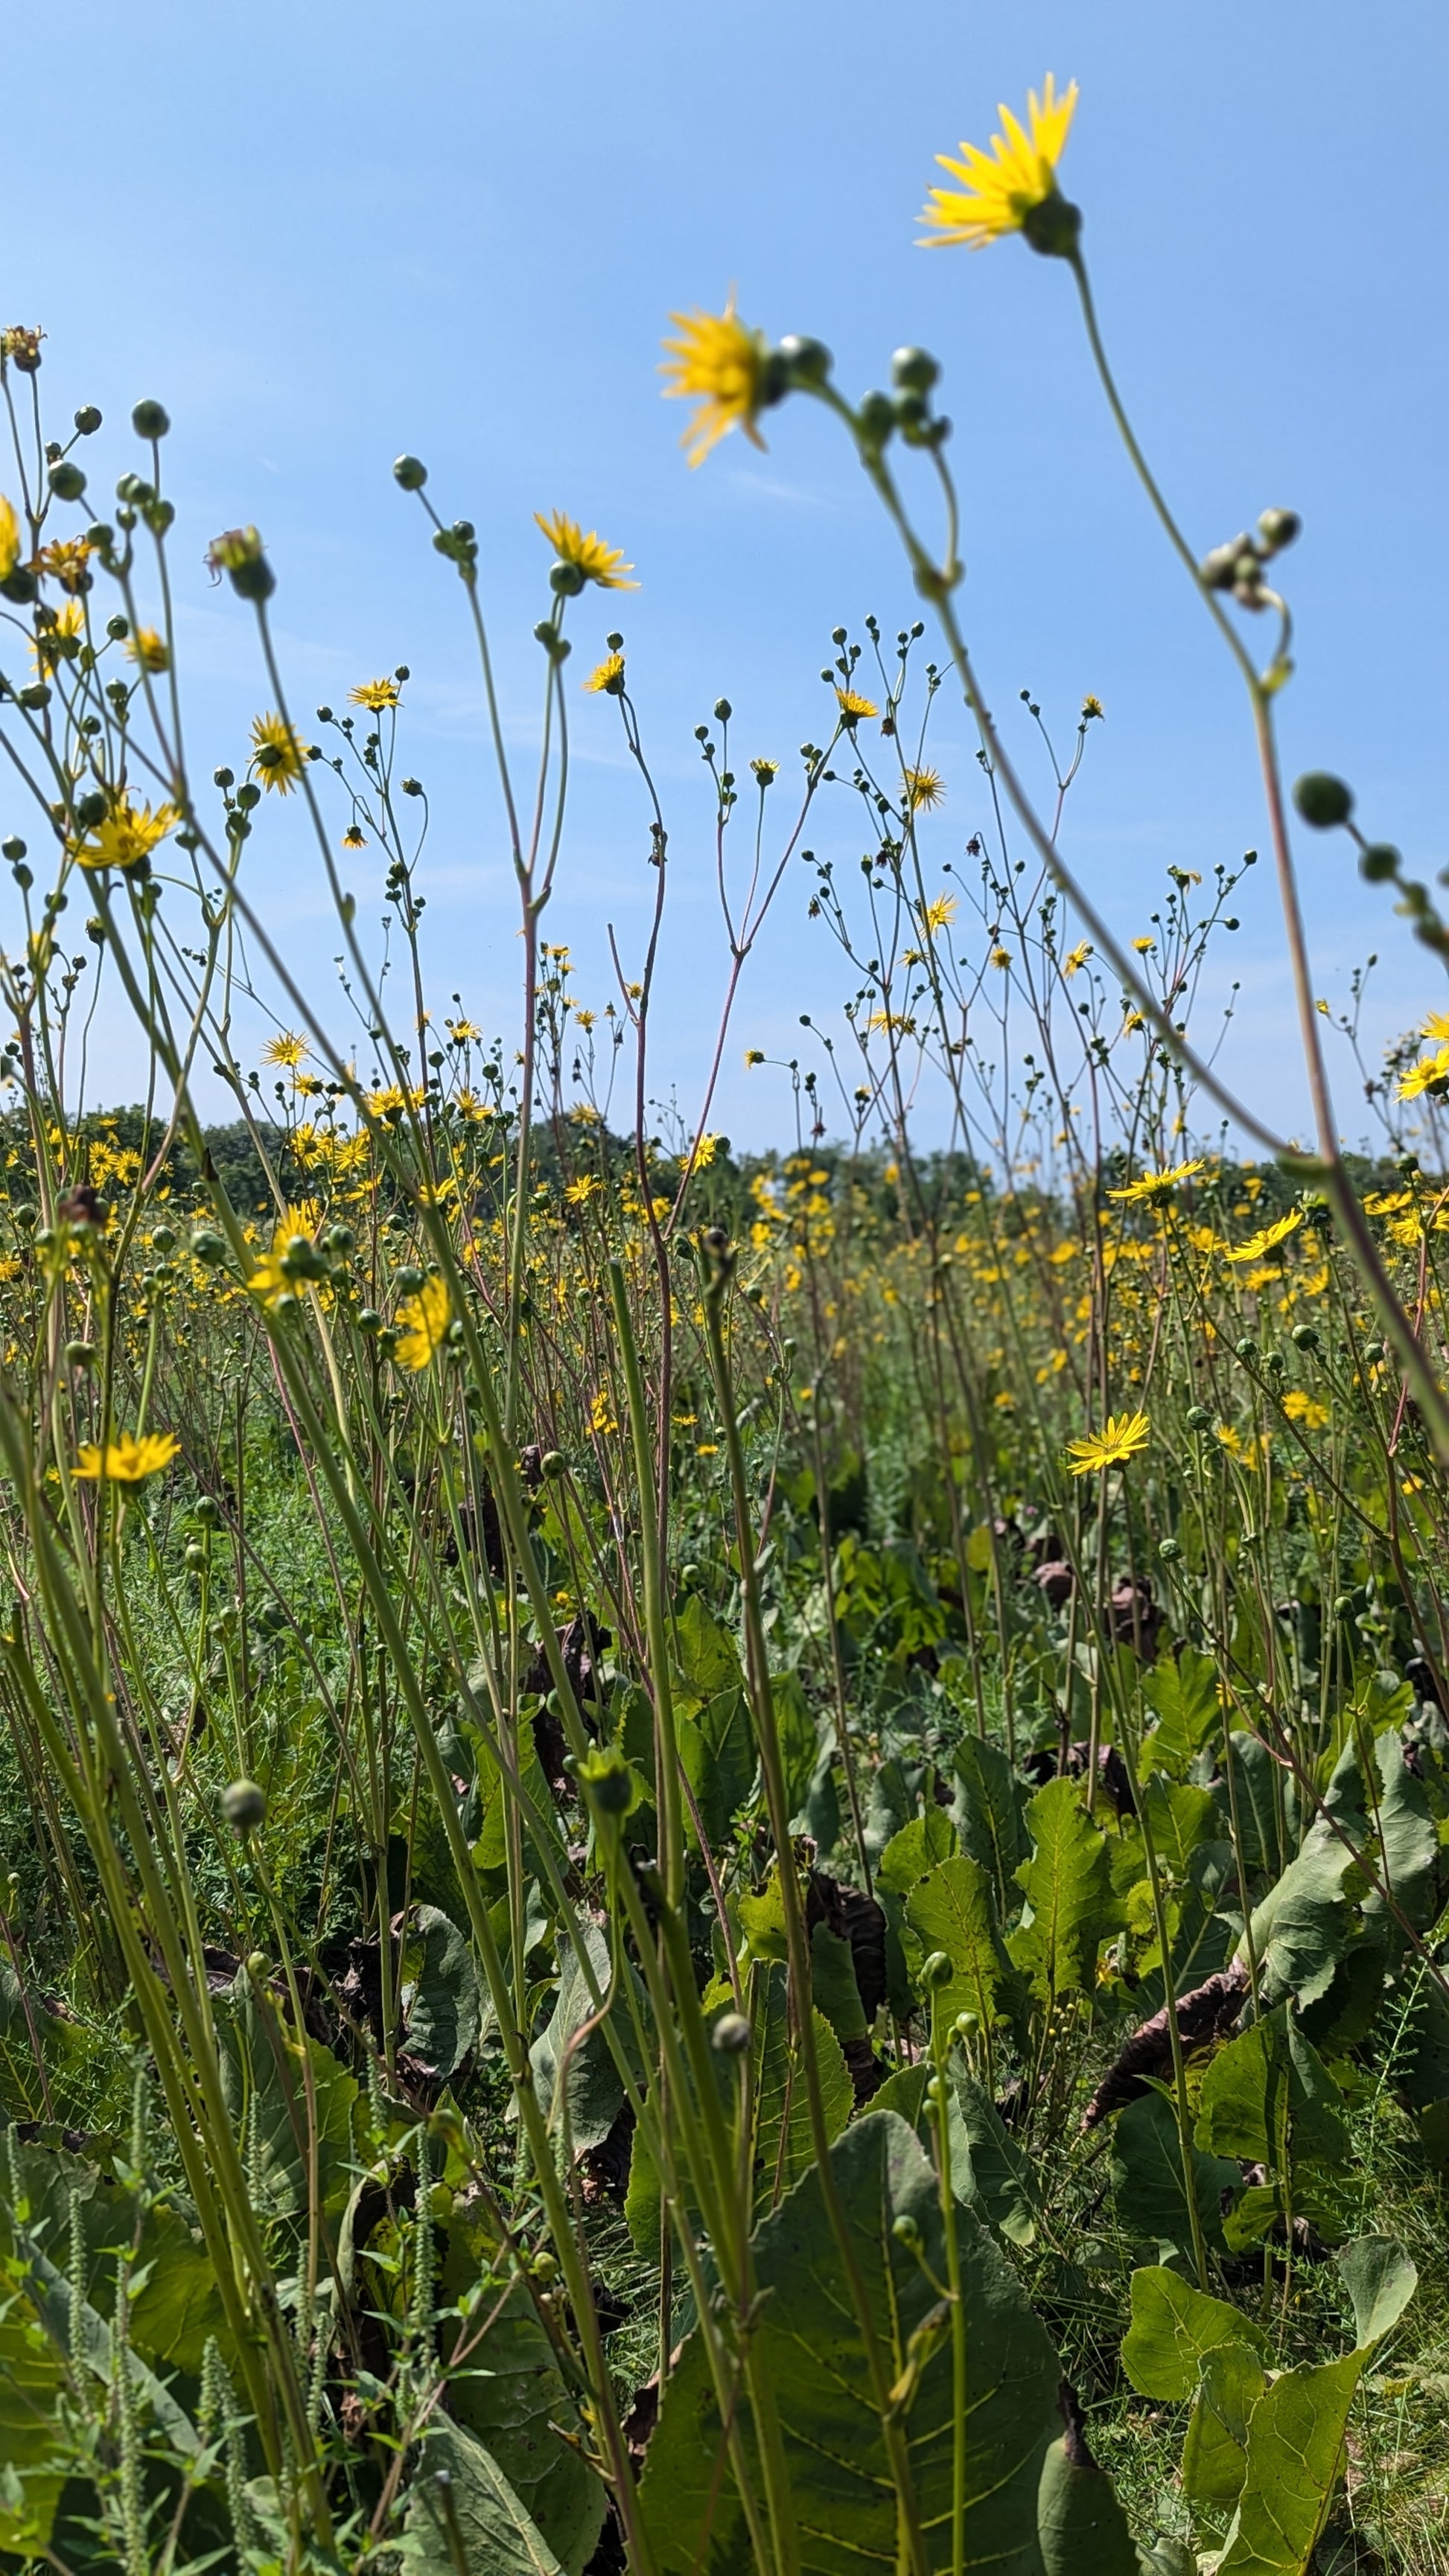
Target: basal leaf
950,1909
1381,2277
1174,2328
1068,1887
1214,2455
461,2511
1147,2181
1294,2454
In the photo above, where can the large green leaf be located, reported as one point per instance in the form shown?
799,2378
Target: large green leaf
1147,2182
1381,2278
717,1749
1068,1887
989,1811
32,2377
808,2342
1174,2327
1183,1691
784,2140
439,1991
950,1909
1294,2453
1268,2098
1180,1817
508,2394
578,2079
47,2060
919,1846
1215,2453
706,1653
461,2511
989,2173
1081,2527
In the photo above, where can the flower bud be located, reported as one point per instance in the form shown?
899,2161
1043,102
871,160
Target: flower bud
552,1464
244,1806
1169,1550
410,472
1198,1418
1379,862
207,1246
565,580
66,480
914,371
1053,226
1278,528
88,420
808,362
150,420
730,2035
1322,799
936,1971
1305,1337
906,2232
876,414
606,1780
238,553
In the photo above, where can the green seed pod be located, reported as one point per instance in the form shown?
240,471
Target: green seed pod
80,1355
1322,799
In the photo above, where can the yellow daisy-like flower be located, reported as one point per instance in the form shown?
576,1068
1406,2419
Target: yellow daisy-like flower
1268,1237
1428,1074
128,1461
1306,1409
148,650
588,554
578,1193
853,706
1120,1438
9,539
1001,959
1093,710
1436,1027
464,1032
285,1048
925,789
1003,187
1155,1185
601,1414
607,677
375,694
424,1321
1073,963
277,753
720,364
68,562
124,838
939,914
354,838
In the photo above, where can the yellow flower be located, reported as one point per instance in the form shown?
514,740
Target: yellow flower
607,678
1436,1027
1001,958
277,753
148,650
705,1149
925,788
719,364
124,838
1003,187
374,694
1144,947
579,1192
1306,1409
1427,1075
853,706
128,1461
1268,1237
68,562
765,772
1121,1436
354,838
1073,963
588,554
1092,709
9,539
1156,1185
285,1048
939,914
601,1414
424,1321
464,1032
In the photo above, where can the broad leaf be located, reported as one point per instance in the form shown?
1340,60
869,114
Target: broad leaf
784,2140
919,1846
1184,1693
509,2395
1068,1887
461,2511
989,2173
1081,2527
717,1749
808,2345
440,1996
1147,2183
1268,2098
1174,2328
989,1811
1381,2278
1215,2453
1294,2454
951,1910
267,2075
580,2085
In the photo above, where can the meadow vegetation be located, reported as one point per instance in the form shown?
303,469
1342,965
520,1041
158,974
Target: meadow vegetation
709,1862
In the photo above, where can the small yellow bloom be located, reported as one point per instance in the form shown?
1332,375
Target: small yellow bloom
1093,710
1268,1237
464,1032
1073,963
720,364
56,644
939,914
579,1192
588,554
853,706
1306,1409
925,789
128,1461
1121,1436
9,539
375,695
277,753
1155,1185
1144,947
754,1055
148,650
765,772
124,838
1429,1074
601,1414
705,1149
1004,186
68,562
354,838
1001,959
1436,1027
607,678
424,1321
285,1048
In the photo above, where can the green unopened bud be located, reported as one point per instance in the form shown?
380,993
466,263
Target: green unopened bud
1198,1418
1305,1337
1169,1550
565,579
553,1464
730,2035
906,2232
606,1780
1322,799
808,362
66,480
410,472
1278,528
936,1971
244,1806
876,414
1379,862
238,553
914,371
80,1355
88,420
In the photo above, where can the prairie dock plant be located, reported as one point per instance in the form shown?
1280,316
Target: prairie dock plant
710,1862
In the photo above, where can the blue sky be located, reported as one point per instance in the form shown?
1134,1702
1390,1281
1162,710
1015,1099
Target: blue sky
325,234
